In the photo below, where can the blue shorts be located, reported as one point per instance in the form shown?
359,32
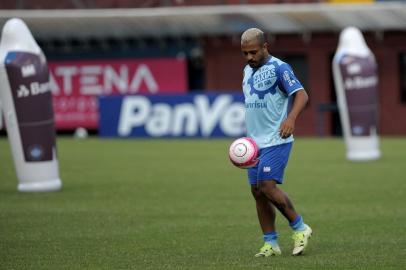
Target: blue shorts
271,165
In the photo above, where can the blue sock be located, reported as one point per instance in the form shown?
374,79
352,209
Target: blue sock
271,238
297,224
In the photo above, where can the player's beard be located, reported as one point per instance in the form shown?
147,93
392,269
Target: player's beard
253,64
257,64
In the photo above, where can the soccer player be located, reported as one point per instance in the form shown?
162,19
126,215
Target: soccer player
268,85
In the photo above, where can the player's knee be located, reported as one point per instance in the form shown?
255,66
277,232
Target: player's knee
268,187
257,193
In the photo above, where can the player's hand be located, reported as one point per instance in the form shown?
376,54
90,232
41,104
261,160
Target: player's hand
287,127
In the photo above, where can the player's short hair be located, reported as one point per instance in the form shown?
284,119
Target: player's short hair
253,34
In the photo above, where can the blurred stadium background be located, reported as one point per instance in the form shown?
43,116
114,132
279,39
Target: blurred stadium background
134,204
201,40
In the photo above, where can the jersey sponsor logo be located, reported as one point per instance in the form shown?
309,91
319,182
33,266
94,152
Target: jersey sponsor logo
267,169
264,78
263,81
256,105
287,78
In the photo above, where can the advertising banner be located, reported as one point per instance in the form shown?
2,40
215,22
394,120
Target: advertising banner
157,116
1,117
27,104
356,82
76,85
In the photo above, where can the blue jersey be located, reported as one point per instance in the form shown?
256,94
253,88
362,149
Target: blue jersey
267,90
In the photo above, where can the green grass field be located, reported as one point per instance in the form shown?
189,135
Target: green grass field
172,204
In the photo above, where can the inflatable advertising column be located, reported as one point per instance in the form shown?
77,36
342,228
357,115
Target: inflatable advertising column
26,102
356,82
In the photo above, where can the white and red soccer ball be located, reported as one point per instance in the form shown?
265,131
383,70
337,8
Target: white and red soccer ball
243,153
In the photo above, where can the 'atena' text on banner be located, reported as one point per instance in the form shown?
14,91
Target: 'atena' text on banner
75,85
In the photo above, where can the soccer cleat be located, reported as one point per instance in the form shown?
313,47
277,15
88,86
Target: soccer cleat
268,250
300,240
